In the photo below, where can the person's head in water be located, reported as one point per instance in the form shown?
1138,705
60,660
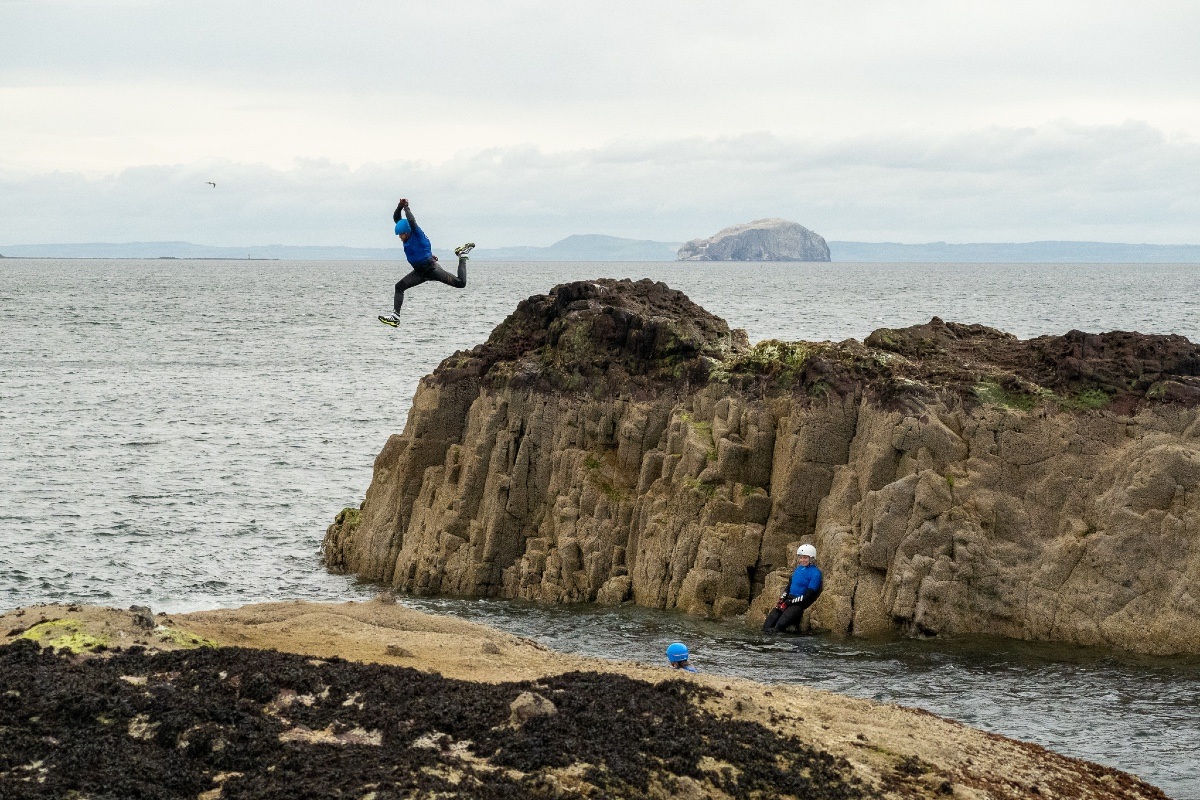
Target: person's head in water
806,554
403,229
677,655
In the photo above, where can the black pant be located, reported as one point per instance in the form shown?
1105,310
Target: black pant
779,621
429,271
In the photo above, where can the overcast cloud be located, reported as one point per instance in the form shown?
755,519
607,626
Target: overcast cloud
523,122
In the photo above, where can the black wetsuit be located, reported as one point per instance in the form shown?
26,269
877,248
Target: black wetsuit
780,619
429,271
803,590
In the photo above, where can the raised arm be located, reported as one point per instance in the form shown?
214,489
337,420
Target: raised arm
402,207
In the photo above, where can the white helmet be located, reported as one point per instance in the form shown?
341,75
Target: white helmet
806,550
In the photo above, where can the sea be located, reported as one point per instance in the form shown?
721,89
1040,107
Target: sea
179,434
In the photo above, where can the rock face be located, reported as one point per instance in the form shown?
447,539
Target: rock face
761,240
614,442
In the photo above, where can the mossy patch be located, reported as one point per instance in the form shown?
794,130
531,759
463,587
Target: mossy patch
613,493
782,361
181,638
1088,399
1023,398
65,634
696,485
348,518
602,473
993,394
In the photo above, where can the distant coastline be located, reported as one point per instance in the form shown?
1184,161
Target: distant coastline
596,247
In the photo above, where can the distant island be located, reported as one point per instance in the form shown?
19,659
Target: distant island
596,247
762,240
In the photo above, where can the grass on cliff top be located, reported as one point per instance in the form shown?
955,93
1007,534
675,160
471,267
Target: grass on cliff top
992,393
1088,399
782,361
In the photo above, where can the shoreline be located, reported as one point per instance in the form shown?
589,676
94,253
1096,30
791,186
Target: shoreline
891,750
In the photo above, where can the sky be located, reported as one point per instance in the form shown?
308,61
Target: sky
519,123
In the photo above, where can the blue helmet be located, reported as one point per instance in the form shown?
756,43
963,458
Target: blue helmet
677,652
402,227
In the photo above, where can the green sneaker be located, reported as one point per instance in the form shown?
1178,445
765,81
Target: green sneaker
462,250
390,319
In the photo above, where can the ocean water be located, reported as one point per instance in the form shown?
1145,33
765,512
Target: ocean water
180,433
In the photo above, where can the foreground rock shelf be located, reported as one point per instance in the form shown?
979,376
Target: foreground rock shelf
614,442
372,700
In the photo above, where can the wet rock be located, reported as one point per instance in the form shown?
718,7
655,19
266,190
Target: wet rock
143,617
529,705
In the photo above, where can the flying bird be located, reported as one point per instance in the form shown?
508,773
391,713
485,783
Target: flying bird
210,183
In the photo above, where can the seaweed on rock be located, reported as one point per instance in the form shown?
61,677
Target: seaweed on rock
264,724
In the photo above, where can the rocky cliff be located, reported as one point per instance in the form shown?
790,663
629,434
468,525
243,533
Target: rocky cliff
761,240
613,442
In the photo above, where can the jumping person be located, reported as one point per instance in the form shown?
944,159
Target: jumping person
803,590
677,656
420,255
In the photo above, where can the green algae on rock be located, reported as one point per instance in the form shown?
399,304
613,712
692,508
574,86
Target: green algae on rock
181,638
65,634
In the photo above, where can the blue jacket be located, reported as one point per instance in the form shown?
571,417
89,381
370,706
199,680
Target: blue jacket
417,249
805,581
